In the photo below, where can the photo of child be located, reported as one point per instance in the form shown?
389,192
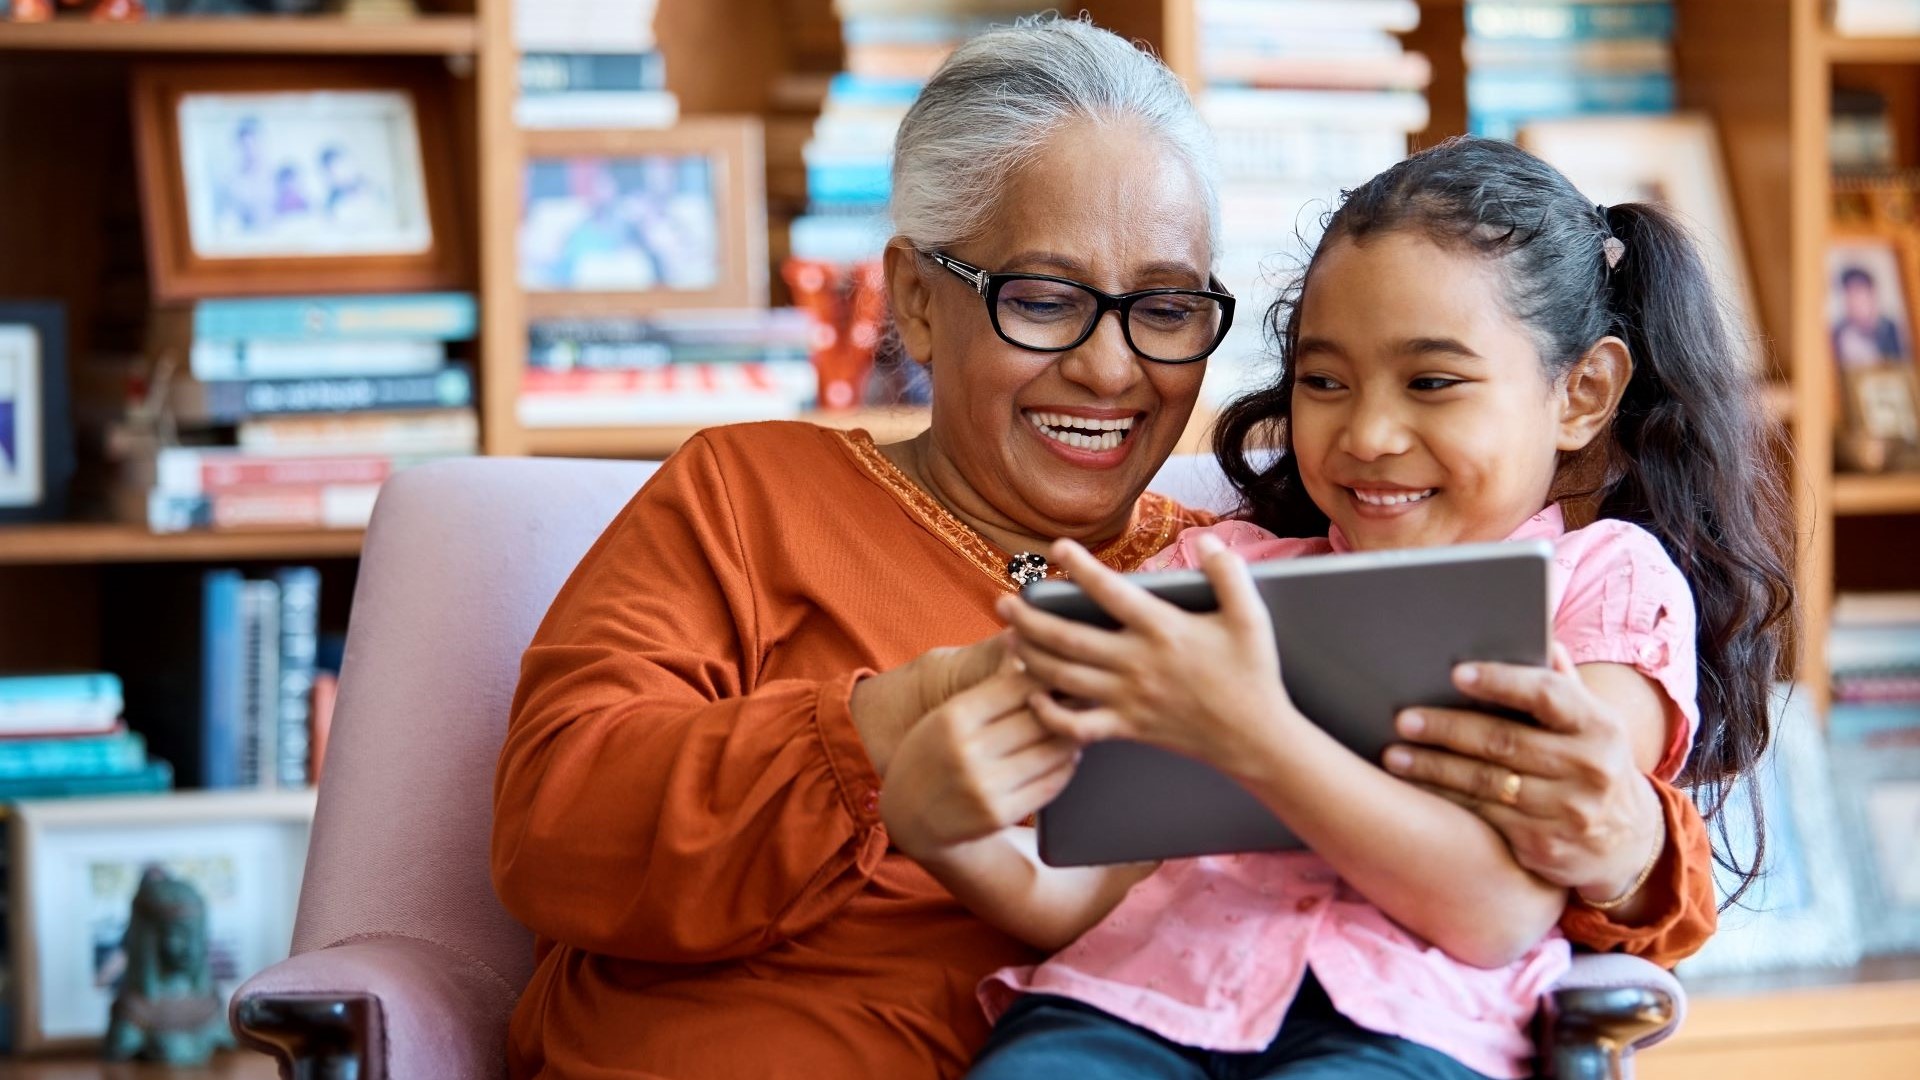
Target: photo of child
307,173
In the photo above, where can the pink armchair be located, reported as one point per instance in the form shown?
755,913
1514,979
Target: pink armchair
404,966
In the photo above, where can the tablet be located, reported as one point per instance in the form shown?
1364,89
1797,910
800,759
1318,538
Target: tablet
1361,637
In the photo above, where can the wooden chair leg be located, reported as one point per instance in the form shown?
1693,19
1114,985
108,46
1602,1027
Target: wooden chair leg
313,1037
1591,1031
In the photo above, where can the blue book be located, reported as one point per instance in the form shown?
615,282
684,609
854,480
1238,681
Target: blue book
150,779
84,755
64,704
299,647
1568,93
850,89
1550,20
561,73
848,184
222,679
448,316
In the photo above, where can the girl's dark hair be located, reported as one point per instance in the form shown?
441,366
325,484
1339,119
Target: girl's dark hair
1689,459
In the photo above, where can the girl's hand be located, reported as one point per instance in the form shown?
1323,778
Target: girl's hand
1569,796
976,764
1205,685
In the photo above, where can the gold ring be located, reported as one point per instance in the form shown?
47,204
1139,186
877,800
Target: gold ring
1510,788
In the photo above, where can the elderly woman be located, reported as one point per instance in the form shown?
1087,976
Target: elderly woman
688,809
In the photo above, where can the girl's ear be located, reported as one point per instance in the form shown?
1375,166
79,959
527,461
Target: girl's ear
1591,392
912,298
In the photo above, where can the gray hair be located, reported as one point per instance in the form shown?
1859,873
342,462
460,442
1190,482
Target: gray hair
996,100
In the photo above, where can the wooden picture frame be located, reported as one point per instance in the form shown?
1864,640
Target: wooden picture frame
592,199
242,219
1872,294
73,866
36,417
1675,161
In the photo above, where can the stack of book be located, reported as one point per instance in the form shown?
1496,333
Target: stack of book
228,699
1306,98
686,367
290,412
1873,652
1549,59
1876,18
590,64
892,48
63,735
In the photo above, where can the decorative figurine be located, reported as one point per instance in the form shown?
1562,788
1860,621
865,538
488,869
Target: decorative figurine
166,1008
848,306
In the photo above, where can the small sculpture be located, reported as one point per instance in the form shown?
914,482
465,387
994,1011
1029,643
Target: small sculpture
166,1008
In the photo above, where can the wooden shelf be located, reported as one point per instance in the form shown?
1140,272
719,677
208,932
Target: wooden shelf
1857,494
422,35
1872,50
654,442
107,542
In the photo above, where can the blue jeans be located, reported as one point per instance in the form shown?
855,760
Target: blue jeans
1047,1036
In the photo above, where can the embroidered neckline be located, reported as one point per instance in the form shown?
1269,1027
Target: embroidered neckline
1156,518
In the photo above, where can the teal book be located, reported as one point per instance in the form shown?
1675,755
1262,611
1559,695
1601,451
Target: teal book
1558,20
154,778
87,755
445,316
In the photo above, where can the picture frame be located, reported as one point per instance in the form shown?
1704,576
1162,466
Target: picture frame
1800,912
1674,160
1878,777
36,420
295,177
73,868
634,221
1870,328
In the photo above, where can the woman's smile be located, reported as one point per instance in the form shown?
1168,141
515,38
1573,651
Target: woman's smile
1091,438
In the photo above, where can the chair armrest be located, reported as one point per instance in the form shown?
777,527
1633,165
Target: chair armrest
1605,1008
378,1008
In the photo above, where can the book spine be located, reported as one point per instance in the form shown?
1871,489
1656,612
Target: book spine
231,402
222,679
561,73
260,700
597,108
1494,93
87,755
154,777
88,687
291,506
200,471
299,646
1547,20
436,316
445,432
218,360
1398,16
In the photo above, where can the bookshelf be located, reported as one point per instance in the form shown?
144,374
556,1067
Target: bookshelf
1764,70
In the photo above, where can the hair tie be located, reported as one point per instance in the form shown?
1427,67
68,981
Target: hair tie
1612,247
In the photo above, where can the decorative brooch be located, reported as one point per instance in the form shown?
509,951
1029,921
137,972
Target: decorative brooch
1027,568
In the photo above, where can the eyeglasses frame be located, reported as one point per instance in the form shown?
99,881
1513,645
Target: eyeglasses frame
988,285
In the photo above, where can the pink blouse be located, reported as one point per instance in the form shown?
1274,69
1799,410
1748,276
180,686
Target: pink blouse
1209,952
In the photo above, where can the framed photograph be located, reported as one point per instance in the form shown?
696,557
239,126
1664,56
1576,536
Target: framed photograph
1800,913
1671,160
1869,319
295,177
36,424
74,866
1878,775
619,222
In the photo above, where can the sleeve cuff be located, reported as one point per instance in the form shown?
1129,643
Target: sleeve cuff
853,771
1676,923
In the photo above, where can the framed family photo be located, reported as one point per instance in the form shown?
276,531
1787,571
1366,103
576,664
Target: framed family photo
295,177
73,869
620,222
36,427
1870,331
1671,160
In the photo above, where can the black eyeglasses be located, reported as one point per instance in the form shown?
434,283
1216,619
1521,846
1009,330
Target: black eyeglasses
1053,314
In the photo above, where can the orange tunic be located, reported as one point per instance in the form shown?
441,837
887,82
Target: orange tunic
684,813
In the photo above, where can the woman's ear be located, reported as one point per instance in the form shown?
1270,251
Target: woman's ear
912,299
1592,391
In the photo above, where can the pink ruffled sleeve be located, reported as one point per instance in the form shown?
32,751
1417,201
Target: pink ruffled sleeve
1624,601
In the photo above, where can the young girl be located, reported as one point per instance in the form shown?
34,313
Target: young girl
1474,353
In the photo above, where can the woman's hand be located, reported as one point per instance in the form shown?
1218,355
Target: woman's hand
887,705
1569,795
973,766
1205,685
